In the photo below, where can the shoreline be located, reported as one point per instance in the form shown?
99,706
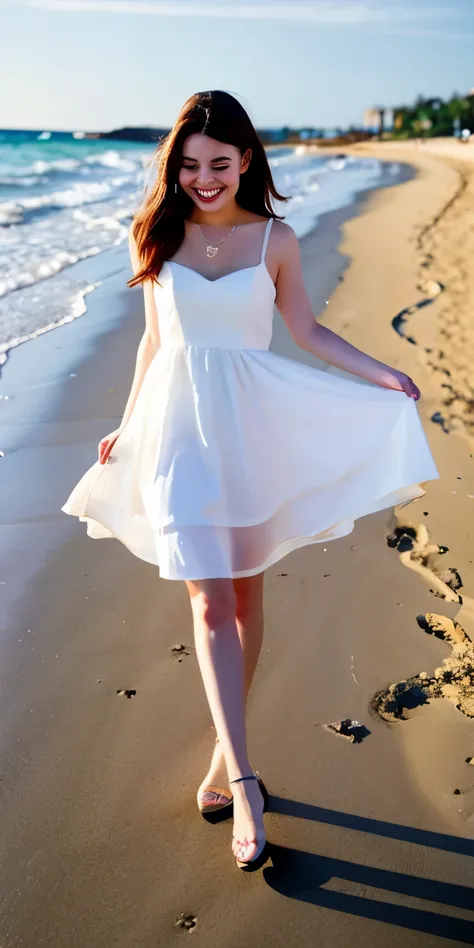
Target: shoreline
98,788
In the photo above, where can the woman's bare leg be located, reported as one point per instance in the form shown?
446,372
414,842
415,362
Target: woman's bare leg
249,616
249,619
221,662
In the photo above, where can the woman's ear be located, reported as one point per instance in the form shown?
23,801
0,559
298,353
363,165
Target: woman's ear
246,159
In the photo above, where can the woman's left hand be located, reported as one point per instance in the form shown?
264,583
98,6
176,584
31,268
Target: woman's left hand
400,382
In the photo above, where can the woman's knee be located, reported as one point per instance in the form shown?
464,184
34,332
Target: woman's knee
213,601
248,596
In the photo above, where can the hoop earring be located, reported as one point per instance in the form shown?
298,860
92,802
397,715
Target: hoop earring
176,187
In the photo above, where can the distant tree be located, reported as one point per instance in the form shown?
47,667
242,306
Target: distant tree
458,107
433,116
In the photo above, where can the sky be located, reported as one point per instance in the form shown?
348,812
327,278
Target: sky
95,65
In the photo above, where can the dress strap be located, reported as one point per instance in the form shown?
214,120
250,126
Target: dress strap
265,239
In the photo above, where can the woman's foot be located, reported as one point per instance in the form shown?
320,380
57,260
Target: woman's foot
248,838
214,792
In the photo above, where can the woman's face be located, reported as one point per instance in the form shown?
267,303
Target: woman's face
210,171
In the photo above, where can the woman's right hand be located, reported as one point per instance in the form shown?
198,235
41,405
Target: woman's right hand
106,445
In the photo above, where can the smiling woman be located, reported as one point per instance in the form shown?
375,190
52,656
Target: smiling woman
228,456
195,171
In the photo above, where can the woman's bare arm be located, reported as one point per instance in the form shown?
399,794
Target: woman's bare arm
150,341
147,349
295,307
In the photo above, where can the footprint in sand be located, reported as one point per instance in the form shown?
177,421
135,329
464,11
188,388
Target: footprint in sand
454,680
188,922
351,730
177,651
432,290
417,553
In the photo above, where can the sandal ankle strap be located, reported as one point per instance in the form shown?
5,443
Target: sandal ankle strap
248,777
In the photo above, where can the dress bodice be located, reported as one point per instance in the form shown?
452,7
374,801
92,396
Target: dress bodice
234,311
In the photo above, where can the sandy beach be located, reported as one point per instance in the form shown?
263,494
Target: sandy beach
105,729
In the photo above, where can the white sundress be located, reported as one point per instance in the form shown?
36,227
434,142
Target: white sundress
233,456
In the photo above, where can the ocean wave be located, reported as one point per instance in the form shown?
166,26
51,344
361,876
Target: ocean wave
81,193
40,168
34,253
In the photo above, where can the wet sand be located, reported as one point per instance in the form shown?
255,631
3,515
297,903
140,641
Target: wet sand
101,841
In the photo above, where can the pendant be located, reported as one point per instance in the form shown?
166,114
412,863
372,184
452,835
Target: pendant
211,251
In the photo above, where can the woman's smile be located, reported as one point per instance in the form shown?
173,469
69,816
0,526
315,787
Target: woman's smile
208,195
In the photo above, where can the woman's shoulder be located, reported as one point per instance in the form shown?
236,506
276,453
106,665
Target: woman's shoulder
132,244
278,227
283,244
282,230
282,235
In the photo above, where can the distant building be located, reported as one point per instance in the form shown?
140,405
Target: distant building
373,120
378,120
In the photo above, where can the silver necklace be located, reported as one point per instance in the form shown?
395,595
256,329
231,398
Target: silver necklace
213,249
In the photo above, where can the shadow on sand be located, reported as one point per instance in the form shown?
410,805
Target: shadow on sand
302,875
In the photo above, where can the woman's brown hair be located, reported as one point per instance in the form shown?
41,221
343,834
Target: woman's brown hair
158,227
